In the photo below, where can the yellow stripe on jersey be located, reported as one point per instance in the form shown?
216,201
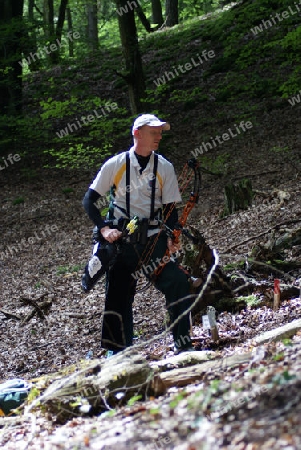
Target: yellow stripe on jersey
119,175
160,180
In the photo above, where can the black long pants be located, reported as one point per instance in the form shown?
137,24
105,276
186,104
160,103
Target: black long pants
117,328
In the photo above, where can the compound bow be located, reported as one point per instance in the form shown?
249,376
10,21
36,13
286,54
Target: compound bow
179,228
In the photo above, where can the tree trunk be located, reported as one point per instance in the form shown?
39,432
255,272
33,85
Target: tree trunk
33,45
171,13
238,196
144,20
11,22
70,29
50,33
48,19
133,63
157,17
92,25
55,56
61,19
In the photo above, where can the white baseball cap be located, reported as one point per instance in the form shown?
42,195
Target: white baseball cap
151,120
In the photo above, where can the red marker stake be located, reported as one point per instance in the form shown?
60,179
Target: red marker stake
276,294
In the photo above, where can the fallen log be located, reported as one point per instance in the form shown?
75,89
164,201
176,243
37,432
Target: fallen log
285,332
184,376
104,385
187,375
100,386
184,359
10,315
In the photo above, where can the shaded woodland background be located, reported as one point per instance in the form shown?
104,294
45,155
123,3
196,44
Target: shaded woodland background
105,57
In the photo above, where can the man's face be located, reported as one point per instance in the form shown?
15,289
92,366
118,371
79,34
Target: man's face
150,137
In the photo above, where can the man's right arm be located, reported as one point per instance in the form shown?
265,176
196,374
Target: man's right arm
91,209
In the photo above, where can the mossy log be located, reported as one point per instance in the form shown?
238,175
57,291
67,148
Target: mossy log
104,384
99,387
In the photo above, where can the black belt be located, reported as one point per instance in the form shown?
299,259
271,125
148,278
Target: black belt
139,236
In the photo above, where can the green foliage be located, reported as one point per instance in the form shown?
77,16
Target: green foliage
283,377
278,357
62,270
69,108
134,399
191,98
217,164
110,413
233,266
79,155
67,190
18,130
244,59
74,144
33,394
18,201
241,68
292,85
177,399
155,411
28,173
281,150
250,300
6,70
58,109
292,42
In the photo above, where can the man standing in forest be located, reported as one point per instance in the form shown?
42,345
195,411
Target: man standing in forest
143,185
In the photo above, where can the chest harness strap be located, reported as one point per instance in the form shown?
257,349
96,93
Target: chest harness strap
153,186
